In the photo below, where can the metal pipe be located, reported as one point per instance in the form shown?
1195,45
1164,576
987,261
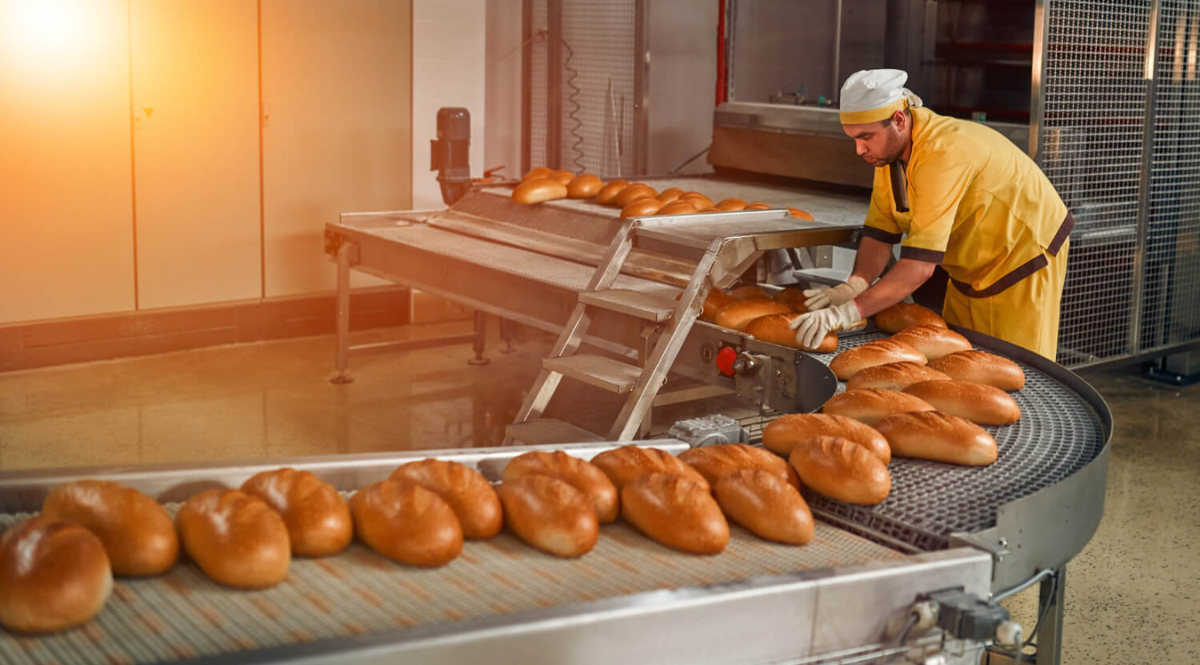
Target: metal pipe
1143,211
526,86
554,40
344,255
641,88
837,52
1037,99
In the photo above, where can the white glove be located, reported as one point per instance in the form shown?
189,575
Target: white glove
811,328
827,296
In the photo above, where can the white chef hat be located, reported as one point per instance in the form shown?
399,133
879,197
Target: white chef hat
872,95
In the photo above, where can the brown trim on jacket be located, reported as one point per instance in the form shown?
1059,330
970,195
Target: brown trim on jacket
1022,271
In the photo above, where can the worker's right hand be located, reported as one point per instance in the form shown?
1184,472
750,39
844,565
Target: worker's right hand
828,296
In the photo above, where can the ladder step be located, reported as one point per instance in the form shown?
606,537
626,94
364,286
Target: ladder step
611,375
634,303
549,430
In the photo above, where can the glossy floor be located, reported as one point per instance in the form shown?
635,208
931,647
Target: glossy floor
1132,596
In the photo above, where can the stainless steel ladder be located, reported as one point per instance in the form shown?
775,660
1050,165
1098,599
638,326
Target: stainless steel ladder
639,384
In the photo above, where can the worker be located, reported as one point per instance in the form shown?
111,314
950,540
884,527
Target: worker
953,193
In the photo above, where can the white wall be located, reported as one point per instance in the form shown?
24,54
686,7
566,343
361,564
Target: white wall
683,79
449,68
502,125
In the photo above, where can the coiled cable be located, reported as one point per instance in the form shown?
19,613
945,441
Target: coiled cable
576,125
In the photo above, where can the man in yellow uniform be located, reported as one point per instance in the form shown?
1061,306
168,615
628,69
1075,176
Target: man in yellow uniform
955,193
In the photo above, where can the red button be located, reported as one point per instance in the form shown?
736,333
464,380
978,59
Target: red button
725,358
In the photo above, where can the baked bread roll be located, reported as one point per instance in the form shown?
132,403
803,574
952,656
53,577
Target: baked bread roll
317,517
758,205
584,186
136,531
738,314
906,315
940,437
776,329
977,402
933,341
841,470
537,173
564,177
580,474
801,214
713,302
894,376
643,207
676,512
669,195
870,405
609,191
628,463
731,205
880,352
468,493
677,207
698,200
54,574
634,192
981,367
550,515
749,293
235,538
718,460
766,506
794,298
539,190
405,522
787,431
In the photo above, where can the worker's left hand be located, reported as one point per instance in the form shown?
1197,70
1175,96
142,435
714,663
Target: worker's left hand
812,327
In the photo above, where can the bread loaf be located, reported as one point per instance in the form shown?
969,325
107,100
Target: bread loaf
54,574
609,191
906,315
713,302
405,522
718,460
937,436
981,367
871,405
894,376
933,341
468,493
787,431
698,200
977,402
794,298
669,195
776,329
677,207
738,314
643,207
758,205
880,352
731,205
580,474
538,173
235,538
841,470
317,517
584,186
628,463
749,293
136,531
550,515
634,192
676,512
564,177
766,506
539,190
801,214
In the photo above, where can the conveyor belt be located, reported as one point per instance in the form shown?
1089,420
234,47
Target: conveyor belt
1058,434
183,614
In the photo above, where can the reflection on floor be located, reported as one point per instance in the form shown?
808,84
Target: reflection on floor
1132,596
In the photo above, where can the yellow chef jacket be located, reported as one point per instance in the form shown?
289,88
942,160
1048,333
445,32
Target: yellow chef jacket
975,203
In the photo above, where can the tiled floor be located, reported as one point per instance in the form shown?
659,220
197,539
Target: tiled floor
1132,596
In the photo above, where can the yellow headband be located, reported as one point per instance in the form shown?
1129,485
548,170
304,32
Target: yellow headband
873,115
